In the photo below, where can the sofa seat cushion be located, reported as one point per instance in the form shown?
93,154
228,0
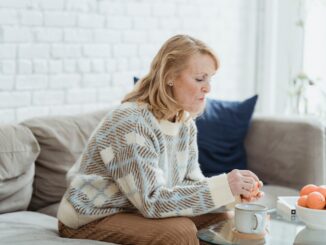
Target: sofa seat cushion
18,151
32,228
62,140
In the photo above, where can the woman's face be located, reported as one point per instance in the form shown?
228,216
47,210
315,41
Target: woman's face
193,83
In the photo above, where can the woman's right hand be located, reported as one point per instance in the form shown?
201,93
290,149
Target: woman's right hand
242,182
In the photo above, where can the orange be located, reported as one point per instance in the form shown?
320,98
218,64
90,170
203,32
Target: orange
302,201
315,200
255,191
322,190
308,189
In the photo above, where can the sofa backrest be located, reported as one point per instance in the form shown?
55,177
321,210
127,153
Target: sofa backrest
282,151
62,140
287,151
18,151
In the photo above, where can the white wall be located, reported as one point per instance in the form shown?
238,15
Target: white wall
279,53
72,56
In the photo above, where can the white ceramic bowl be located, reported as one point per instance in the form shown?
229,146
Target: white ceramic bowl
313,218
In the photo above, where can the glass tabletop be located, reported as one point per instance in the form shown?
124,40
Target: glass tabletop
281,230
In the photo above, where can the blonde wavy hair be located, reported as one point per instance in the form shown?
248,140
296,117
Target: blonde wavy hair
169,62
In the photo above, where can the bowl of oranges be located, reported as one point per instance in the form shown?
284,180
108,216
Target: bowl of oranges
311,206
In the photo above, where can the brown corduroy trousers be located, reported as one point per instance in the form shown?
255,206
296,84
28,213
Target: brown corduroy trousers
131,228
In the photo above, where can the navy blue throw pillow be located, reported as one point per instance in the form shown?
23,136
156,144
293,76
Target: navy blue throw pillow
222,129
135,80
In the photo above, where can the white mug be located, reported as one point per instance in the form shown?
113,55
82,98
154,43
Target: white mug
250,218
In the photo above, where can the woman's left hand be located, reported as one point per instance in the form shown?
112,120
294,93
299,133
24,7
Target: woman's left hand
259,195
256,193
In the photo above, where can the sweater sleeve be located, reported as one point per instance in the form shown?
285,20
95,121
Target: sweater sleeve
135,170
193,172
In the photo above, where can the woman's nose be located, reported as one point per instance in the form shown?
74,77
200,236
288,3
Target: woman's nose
206,88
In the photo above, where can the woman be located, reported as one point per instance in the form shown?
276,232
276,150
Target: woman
138,180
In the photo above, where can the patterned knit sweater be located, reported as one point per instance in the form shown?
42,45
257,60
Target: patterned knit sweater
135,163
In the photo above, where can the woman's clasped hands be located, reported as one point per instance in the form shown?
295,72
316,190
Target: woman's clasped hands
245,184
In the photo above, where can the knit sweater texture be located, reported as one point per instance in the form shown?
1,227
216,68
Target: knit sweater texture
136,163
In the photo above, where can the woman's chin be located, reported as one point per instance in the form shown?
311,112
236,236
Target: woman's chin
197,111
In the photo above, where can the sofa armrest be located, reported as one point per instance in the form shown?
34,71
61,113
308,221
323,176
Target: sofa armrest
287,151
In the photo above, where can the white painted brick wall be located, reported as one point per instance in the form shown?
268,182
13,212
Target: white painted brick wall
138,9
69,66
72,35
31,18
124,50
111,8
62,81
81,96
65,109
90,21
50,35
31,111
14,99
97,66
55,66
43,98
72,56
30,51
15,34
96,80
25,67
8,17
145,23
31,82
97,50
17,4
40,66
6,82
51,5
107,36
83,65
66,51
8,67
7,116
7,51
60,19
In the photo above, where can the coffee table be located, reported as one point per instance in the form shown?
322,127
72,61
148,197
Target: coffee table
281,230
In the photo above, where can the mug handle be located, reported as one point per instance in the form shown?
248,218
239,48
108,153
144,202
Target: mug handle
259,222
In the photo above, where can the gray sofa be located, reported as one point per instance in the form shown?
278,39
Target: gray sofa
35,155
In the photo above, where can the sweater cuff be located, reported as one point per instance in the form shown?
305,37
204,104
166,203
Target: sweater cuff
220,190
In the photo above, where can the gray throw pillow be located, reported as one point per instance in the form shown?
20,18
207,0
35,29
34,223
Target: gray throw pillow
62,140
18,151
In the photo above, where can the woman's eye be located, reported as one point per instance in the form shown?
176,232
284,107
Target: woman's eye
199,80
